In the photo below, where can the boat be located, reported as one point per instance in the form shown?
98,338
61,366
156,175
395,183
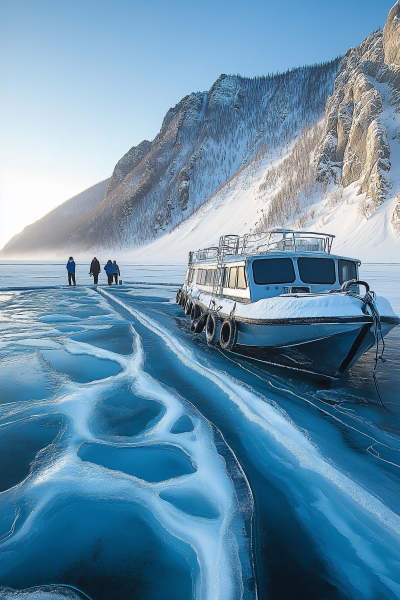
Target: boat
281,297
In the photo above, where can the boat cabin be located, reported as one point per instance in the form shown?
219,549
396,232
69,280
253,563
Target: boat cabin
270,264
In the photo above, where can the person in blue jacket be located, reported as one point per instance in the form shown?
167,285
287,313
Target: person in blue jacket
116,271
109,271
71,270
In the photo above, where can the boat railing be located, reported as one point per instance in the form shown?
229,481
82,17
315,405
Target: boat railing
273,240
205,254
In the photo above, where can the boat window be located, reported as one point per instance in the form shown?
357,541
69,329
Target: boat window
273,270
225,280
347,270
232,277
241,279
190,275
317,270
218,273
201,276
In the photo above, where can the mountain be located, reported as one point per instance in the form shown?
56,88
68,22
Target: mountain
46,235
204,140
340,175
314,148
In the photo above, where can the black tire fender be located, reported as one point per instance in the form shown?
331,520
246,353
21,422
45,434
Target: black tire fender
182,300
195,312
198,325
188,306
213,325
178,296
228,334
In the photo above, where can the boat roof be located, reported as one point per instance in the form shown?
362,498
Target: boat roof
276,242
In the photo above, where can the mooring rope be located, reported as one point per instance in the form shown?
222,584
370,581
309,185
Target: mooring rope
369,302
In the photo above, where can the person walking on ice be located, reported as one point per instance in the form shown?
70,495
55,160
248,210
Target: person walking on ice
71,270
95,270
109,271
116,271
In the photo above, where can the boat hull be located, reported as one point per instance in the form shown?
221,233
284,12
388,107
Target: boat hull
329,356
325,346
323,349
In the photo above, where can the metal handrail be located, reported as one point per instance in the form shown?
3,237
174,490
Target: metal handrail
265,241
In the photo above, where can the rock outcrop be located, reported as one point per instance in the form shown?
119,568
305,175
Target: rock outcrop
396,216
354,146
391,37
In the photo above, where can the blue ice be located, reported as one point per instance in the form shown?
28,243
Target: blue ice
140,461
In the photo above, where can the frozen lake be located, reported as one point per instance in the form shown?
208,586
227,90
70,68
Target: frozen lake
139,463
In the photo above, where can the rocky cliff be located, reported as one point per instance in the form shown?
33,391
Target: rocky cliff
354,147
204,140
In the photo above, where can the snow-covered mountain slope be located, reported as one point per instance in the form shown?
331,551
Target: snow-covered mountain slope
46,236
239,207
341,176
204,140
257,153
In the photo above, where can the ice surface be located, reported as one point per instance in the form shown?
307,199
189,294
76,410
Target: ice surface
46,592
182,442
80,368
122,414
195,504
20,443
23,377
151,463
117,338
365,514
100,469
183,425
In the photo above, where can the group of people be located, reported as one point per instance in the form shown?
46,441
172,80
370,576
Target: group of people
111,269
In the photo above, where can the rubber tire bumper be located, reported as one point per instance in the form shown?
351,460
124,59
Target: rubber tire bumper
188,306
213,325
228,334
198,325
195,313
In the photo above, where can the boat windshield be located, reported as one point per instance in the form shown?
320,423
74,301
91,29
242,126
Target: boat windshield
317,270
347,270
273,270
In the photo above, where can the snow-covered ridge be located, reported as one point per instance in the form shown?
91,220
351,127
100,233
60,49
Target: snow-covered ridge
204,141
46,233
256,153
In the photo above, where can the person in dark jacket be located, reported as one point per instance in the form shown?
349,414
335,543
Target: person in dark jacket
116,271
71,270
109,271
95,270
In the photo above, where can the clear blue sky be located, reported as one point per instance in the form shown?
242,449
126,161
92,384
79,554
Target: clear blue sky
84,80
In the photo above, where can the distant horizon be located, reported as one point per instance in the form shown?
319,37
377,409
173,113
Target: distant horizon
83,84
